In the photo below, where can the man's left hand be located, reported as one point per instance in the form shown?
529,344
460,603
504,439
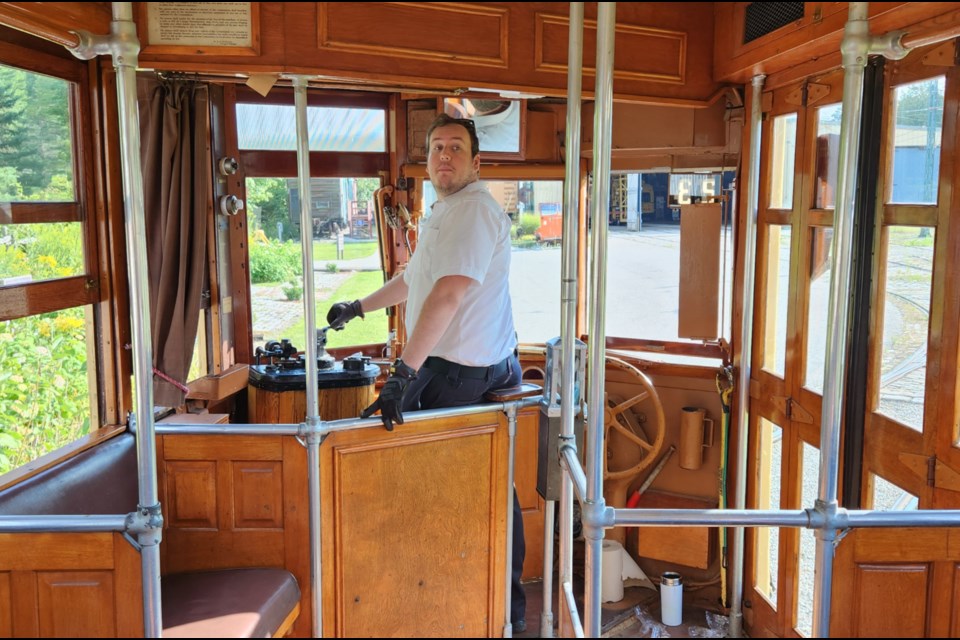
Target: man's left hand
391,395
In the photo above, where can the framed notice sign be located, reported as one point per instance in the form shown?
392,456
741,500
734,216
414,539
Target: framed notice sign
197,28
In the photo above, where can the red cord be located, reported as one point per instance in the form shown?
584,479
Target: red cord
166,378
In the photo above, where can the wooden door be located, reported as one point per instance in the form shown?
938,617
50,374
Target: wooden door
413,529
903,582
902,451
794,254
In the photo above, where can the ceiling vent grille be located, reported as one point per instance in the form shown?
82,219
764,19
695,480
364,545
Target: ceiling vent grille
766,17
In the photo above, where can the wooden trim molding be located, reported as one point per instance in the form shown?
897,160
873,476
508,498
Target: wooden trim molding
219,387
55,20
39,212
43,297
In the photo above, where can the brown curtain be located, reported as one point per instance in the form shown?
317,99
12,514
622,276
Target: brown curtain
176,188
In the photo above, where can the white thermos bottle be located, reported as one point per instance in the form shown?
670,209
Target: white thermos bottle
671,598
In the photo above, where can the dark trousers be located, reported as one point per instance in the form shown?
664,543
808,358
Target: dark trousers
432,390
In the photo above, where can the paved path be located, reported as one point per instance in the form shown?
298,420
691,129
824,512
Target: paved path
273,313
368,263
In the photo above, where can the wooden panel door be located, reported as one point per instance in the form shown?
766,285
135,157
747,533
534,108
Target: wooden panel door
413,529
897,582
903,582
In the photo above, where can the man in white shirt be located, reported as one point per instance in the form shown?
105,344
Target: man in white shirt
462,341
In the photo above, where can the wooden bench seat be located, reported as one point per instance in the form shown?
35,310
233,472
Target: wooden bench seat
233,603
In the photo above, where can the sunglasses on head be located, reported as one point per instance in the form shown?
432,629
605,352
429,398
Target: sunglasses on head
466,122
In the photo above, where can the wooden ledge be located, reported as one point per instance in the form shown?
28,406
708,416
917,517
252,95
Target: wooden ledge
220,387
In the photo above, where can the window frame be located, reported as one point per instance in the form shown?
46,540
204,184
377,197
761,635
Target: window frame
91,288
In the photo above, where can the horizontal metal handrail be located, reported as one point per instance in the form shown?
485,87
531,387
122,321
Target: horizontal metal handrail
62,523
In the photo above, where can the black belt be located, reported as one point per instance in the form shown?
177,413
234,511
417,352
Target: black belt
456,371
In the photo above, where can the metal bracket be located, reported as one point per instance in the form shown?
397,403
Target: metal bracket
147,524
840,536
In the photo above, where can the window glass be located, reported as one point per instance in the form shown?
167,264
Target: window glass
916,146
828,153
36,145
643,253
767,540
346,258
906,319
199,362
272,127
821,265
889,497
784,150
535,208
777,272
35,252
45,398
810,478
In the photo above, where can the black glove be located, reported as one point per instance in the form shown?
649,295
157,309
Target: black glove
391,395
343,312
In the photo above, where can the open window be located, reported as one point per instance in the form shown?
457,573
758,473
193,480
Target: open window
348,155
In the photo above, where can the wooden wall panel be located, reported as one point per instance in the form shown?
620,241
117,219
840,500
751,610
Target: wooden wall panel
475,34
258,495
55,551
814,38
664,59
26,621
236,501
54,20
76,604
954,629
892,601
525,480
192,494
127,571
6,606
664,52
420,511
896,583
70,585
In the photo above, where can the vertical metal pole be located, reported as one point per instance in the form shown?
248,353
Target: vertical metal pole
512,431
854,49
602,131
751,204
568,314
310,352
306,242
546,612
125,57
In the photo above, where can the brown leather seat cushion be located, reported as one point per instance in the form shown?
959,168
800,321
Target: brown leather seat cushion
101,480
234,603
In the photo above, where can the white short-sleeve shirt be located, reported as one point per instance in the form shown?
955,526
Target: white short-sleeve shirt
467,234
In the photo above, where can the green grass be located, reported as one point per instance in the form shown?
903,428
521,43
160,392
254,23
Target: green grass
369,330
351,250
